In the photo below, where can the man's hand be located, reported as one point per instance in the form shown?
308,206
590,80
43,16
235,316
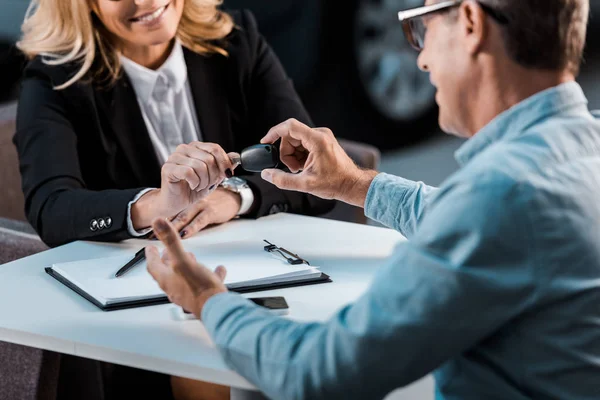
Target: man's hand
319,164
186,282
217,208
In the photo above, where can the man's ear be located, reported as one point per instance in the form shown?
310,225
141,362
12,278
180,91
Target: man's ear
473,22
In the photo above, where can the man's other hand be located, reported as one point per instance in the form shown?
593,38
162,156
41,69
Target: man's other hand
186,282
318,164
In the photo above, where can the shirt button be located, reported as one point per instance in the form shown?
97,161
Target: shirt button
93,225
101,224
108,222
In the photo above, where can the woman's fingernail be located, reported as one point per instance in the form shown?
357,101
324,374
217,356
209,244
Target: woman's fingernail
182,234
228,173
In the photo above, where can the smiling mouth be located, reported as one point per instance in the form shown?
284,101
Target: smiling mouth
150,16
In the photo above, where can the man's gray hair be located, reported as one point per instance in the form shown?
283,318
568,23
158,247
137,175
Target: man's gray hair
544,34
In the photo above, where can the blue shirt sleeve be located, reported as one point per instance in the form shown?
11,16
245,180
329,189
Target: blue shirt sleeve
398,203
465,274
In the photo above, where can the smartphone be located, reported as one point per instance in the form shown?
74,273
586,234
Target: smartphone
277,305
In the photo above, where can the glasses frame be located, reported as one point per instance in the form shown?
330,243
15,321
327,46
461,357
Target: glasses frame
295,259
405,17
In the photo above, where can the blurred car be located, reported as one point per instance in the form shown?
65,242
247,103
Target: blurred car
349,61
353,66
362,80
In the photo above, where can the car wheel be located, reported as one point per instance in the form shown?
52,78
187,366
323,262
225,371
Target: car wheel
387,65
385,100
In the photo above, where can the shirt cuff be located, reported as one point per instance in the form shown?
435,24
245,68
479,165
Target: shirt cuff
219,307
247,197
130,227
384,189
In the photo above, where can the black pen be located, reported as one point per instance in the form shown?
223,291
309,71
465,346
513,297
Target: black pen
139,256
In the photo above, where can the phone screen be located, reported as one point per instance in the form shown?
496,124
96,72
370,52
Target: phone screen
272,303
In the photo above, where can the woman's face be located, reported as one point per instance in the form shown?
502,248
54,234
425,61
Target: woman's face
140,22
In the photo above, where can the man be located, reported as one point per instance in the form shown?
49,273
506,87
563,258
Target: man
498,289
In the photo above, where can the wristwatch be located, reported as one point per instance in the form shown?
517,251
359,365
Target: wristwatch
241,187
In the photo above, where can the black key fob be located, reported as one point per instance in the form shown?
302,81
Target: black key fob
258,157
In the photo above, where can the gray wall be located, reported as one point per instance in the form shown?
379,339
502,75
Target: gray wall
11,17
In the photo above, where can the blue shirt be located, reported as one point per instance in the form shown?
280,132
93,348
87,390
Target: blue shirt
497,291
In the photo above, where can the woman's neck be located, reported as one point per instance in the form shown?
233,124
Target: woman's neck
151,57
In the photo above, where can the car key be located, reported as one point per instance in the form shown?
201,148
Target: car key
258,157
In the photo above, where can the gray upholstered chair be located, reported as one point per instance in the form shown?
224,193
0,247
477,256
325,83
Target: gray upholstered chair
365,156
25,373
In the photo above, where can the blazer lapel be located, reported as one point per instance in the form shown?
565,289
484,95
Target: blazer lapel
123,112
206,75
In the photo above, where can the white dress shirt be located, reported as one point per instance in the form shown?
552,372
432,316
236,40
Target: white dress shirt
167,106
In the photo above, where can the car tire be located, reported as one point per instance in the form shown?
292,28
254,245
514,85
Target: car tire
356,113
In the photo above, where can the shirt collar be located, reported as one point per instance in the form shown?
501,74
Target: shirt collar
144,79
517,119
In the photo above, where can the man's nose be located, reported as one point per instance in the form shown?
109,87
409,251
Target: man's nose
422,63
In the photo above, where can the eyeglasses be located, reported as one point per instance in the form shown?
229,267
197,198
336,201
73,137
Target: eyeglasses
414,27
295,259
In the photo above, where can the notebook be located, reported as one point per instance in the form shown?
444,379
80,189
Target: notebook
249,268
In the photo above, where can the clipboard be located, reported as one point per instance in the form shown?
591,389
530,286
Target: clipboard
323,278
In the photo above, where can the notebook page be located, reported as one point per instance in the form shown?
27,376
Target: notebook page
244,268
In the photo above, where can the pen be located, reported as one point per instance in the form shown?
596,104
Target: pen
139,256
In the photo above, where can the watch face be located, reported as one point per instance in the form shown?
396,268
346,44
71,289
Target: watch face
234,183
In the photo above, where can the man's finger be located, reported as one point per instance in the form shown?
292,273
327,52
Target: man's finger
292,130
284,180
166,257
221,272
168,235
156,267
181,262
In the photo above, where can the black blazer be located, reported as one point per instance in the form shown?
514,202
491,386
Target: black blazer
85,151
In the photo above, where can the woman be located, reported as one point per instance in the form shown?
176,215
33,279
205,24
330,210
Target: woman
114,90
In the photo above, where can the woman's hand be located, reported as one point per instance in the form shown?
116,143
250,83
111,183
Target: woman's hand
217,208
190,174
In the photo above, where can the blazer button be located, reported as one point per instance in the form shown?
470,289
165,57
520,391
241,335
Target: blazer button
108,222
93,225
101,223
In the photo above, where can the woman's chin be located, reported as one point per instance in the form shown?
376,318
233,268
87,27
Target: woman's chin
154,38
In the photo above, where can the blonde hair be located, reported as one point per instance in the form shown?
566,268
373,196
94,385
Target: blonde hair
67,31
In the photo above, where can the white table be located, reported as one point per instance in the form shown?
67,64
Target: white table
40,312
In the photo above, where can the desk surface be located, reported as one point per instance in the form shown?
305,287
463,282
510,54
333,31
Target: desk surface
38,311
